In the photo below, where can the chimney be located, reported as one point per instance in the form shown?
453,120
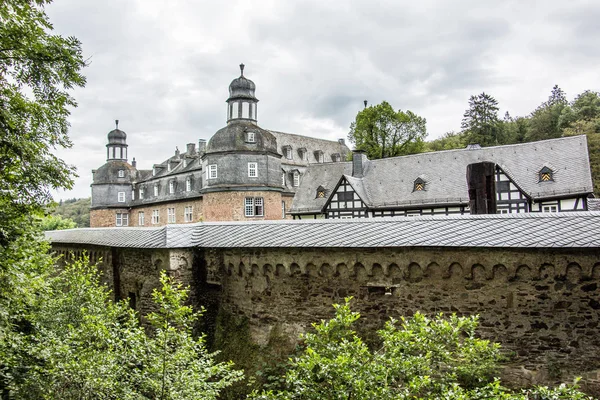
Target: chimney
341,141
177,152
191,148
482,187
133,163
359,163
201,145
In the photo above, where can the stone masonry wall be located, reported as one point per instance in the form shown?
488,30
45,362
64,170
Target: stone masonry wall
179,206
229,206
541,305
105,217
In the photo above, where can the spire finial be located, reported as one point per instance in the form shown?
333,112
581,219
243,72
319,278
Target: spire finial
365,103
117,123
242,68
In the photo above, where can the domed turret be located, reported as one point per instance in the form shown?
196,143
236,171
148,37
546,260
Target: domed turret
116,149
241,104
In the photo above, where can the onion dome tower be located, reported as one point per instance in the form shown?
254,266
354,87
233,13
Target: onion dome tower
116,149
241,104
241,163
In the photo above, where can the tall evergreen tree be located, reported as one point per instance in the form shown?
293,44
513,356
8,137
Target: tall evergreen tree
480,121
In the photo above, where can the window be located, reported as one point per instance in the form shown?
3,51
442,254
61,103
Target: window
155,190
121,197
121,173
252,170
155,217
168,166
184,162
549,209
142,193
133,195
122,219
141,218
188,214
250,137
211,172
504,211
302,153
546,175
171,187
283,210
253,207
321,192
419,185
287,152
283,178
335,157
171,215
296,179
188,184
319,156
153,171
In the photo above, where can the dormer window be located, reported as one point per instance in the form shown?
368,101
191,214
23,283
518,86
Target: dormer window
283,178
188,184
171,187
184,163
319,156
141,193
321,192
250,137
155,190
302,153
168,166
335,157
287,152
153,171
419,185
546,175
296,175
121,173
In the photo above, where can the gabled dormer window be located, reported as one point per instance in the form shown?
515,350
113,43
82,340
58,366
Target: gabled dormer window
321,192
319,156
419,185
287,152
184,163
153,171
302,153
168,166
296,176
121,173
546,175
335,157
250,137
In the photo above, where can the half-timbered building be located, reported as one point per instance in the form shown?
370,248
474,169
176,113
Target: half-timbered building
545,176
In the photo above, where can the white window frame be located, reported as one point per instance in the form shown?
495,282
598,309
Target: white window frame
283,178
254,207
288,153
188,184
155,190
141,218
153,171
296,179
282,209
171,187
184,162
121,173
252,170
121,197
550,208
211,171
122,219
168,166
142,193
171,215
155,217
188,214
133,194
251,138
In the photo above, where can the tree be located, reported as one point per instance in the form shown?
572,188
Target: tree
420,357
383,132
82,345
37,69
56,223
480,121
547,121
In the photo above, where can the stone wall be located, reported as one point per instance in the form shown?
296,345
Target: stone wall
542,305
229,206
105,217
179,206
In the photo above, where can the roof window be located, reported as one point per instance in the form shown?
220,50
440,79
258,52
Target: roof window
546,175
419,185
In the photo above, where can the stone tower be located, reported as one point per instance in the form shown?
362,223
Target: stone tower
112,184
241,165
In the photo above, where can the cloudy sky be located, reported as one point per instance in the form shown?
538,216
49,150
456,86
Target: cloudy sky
163,67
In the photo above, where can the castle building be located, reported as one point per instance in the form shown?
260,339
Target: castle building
248,173
243,173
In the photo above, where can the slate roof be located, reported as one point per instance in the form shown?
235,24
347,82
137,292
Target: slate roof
548,230
311,144
389,181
